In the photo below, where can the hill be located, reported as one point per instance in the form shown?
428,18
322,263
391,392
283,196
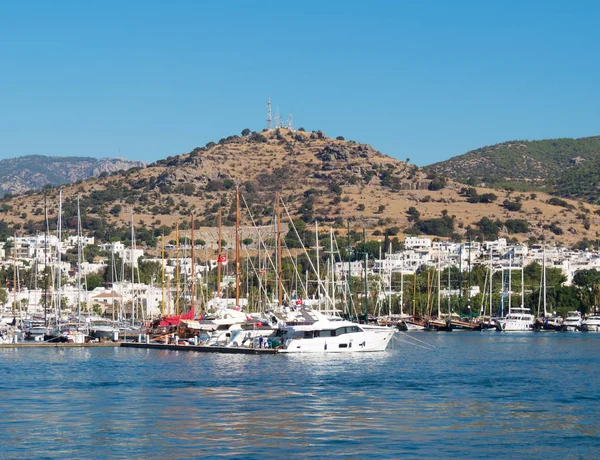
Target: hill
331,181
565,167
18,175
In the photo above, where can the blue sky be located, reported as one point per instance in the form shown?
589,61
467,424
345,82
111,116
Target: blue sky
425,79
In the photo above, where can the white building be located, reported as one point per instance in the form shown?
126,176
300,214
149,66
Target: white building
415,242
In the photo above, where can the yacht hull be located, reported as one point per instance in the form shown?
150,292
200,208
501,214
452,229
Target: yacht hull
371,339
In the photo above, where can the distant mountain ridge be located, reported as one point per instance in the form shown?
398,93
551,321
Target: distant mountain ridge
30,172
566,167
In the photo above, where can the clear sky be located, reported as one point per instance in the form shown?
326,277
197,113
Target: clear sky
421,79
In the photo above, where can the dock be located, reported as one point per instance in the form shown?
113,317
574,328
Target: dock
150,346
202,348
59,345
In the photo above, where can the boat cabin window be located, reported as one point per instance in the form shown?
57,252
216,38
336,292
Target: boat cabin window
331,333
346,330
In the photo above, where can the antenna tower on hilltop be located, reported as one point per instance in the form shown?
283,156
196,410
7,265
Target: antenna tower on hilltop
269,114
277,118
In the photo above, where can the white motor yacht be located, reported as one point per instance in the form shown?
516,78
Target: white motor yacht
37,333
519,319
573,321
102,329
335,335
591,323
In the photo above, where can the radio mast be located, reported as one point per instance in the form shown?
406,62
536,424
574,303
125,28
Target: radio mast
269,114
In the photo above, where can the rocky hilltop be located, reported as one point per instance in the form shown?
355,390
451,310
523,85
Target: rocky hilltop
328,180
18,175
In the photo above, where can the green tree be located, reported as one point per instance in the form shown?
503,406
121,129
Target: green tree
93,281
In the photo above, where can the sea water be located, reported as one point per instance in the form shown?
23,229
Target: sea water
431,395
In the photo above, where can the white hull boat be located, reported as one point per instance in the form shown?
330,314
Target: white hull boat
518,320
572,322
591,324
331,335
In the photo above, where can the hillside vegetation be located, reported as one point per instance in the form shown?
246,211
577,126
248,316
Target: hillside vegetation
331,181
565,167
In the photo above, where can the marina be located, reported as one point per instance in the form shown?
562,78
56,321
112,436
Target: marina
316,230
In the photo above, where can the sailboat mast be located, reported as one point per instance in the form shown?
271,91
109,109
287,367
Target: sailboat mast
332,269
460,278
449,291
193,287
390,279
366,280
220,239
162,307
177,268
259,275
415,292
78,262
132,273
439,283
58,256
510,283
279,267
491,283
349,283
15,270
402,287
318,264
469,293
237,246
112,279
544,281
523,281
45,262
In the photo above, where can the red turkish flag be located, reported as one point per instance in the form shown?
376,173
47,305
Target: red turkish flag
222,259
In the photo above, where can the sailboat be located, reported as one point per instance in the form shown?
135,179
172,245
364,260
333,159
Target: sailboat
518,319
439,323
547,322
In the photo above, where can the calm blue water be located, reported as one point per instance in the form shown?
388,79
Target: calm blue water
459,394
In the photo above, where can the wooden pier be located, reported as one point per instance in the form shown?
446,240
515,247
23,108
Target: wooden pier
150,346
202,348
59,345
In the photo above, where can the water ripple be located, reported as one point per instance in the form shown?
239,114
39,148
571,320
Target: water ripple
465,395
